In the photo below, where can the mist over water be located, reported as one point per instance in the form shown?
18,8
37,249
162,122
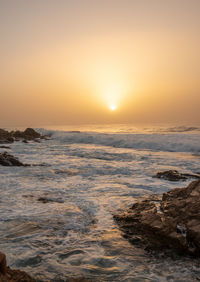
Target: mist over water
57,218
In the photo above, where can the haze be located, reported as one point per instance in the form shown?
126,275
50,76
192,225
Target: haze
72,62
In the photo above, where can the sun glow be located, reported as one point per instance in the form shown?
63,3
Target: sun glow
113,107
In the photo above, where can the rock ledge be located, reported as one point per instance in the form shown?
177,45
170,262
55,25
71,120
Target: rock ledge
170,221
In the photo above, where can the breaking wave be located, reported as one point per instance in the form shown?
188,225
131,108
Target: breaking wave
166,142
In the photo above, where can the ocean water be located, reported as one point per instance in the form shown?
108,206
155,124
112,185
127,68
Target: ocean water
86,174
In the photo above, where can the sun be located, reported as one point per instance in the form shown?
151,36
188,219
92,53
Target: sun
113,107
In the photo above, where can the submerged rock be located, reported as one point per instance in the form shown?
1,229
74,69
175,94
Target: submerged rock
80,279
174,175
170,221
46,200
9,160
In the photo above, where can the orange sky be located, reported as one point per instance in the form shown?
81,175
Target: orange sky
68,62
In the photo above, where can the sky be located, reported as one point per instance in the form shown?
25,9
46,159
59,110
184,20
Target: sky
99,61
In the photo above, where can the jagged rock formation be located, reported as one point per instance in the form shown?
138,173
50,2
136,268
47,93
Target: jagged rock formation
170,221
27,135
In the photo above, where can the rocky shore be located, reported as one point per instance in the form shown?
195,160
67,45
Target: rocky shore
7,137
169,222
9,160
28,134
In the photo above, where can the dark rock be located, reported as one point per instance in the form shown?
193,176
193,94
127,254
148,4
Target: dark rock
26,135
14,275
9,160
30,132
174,175
25,141
11,275
80,279
45,200
5,137
170,221
5,147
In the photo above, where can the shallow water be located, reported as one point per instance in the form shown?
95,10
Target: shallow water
85,178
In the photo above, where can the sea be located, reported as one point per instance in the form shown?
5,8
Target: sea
56,216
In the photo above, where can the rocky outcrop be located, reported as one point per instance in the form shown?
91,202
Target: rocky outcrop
15,275
9,160
5,137
170,221
27,135
174,175
11,275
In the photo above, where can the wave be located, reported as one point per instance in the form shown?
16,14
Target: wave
167,142
183,129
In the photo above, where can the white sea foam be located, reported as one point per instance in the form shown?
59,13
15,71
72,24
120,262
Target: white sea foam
176,142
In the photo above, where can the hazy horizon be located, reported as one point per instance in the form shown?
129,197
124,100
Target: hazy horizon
99,62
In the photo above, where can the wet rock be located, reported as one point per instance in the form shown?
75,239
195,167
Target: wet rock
174,175
46,200
170,221
80,279
5,137
3,264
9,160
14,275
31,133
28,134
5,147
11,275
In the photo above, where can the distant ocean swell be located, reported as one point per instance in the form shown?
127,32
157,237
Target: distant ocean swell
166,142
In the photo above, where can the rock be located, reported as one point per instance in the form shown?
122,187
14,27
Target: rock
15,275
80,279
45,200
3,264
26,135
9,160
11,275
5,147
170,221
31,133
5,137
174,175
